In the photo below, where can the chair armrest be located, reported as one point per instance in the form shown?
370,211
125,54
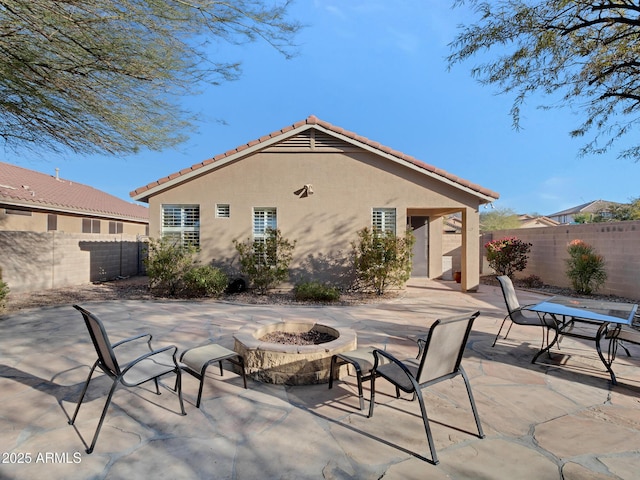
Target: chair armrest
390,358
151,354
130,339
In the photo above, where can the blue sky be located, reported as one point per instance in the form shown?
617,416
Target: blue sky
378,68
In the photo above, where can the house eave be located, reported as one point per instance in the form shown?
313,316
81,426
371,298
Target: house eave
4,202
264,143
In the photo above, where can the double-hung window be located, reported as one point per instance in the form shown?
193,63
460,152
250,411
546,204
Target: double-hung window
182,222
263,220
384,220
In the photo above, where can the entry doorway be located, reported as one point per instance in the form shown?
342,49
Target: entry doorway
420,227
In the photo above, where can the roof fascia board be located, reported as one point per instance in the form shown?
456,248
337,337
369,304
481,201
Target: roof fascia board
405,163
72,211
266,143
214,165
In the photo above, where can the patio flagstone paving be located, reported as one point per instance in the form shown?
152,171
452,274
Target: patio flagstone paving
558,419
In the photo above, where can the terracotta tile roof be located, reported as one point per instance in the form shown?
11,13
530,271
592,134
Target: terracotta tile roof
20,186
311,121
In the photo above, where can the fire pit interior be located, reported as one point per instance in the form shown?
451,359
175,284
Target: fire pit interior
277,352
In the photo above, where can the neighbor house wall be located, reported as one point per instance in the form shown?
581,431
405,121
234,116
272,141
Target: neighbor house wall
33,261
31,220
617,242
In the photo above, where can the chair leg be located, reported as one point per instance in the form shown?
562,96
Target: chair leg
372,397
473,403
332,370
104,414
84,391
425,420
179,389
502,325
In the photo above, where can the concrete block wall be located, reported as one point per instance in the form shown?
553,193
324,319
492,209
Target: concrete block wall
618,242
33,261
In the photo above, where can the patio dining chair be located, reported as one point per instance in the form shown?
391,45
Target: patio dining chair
440,360
516,315
147,367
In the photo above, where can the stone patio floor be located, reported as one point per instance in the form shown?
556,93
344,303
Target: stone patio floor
558,419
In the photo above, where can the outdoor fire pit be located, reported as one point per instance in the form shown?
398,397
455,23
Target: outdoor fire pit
287,362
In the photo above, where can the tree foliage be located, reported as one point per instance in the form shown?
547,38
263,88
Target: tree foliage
585,267
587,51
626,211
499,219
508,255
105,75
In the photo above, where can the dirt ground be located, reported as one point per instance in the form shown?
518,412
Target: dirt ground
137,288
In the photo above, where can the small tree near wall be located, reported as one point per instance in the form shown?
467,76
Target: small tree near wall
508,255
585,268
382,260
265,262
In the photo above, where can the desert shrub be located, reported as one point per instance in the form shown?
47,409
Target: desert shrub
507,255
585,268
316,292
381,259
265,262
167,262
532,281
204,281
4,291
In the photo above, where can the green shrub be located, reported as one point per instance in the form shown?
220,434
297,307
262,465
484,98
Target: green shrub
167,262
204,281
265,263
4,291
382,260
316,292
585,268
507,255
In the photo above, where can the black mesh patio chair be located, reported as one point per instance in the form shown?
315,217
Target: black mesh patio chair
149,366
440,360
516,315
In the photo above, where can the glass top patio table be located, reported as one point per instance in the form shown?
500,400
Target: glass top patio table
587,309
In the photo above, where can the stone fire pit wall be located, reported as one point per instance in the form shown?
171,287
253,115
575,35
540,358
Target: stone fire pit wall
291,364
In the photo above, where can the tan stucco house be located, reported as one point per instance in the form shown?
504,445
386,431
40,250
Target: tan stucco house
319,184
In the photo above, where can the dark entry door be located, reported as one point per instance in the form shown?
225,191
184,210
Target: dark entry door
420,227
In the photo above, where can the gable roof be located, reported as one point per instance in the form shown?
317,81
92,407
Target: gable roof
21,187
595,206
143,193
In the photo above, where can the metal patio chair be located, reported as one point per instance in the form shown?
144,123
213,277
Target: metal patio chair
516,315
440,359
149,366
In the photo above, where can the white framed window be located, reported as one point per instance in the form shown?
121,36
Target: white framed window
223,210
263,218
384,220
182,222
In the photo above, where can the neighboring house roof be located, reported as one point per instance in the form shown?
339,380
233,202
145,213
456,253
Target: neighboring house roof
20,187
595,206
143,193
529,221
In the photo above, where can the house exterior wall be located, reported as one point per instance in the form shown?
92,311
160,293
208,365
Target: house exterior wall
348,183
33,261
37,221
617,242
